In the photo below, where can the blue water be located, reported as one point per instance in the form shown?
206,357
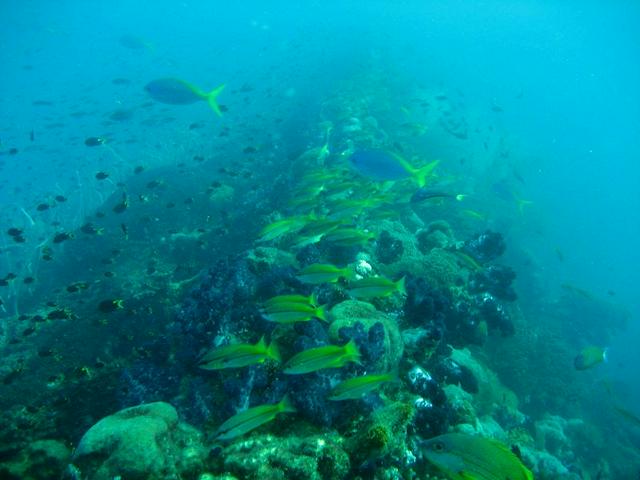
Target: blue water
548,90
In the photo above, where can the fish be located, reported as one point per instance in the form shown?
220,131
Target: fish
294,298
428,194
381,165
239,355
134,42
628,415
320,226
62,237
372,287
356,387
76,287
590,357
323,273
252,418
293,312
467,457
94,141
110,305
121,115
178,92
319,358
121,206
281,227
474,214
91,229
348,237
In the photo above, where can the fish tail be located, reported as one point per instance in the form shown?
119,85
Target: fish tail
422,174
400,287
351,351
320,313
273,352
348,274
521,204
212,97
285,405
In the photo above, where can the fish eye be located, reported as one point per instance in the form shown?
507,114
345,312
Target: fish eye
438,446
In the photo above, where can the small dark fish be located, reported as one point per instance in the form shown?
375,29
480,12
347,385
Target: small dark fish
559,254
61,198
121,115
125,230
133,42
62,237
14,232
28,280
110,305
496,108
90,229
102,175
611,293
121,81
94,141
42,103
13,151
47,254
138,169
59,314
249,150
76,287
32,136
19,239
426,194
123,205
42,207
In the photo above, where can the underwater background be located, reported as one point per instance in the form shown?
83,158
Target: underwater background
452,187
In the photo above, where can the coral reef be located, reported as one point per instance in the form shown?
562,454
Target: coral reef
313,457
40,460
146,441
376,334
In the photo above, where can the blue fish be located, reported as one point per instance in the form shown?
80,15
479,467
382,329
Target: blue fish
380,165
178,92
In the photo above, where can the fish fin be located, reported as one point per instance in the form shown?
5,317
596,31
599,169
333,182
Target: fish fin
349,274
261,344
400,287
351,349
212,99
313,299
423,173
286,406
320,313
522,203
273,352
